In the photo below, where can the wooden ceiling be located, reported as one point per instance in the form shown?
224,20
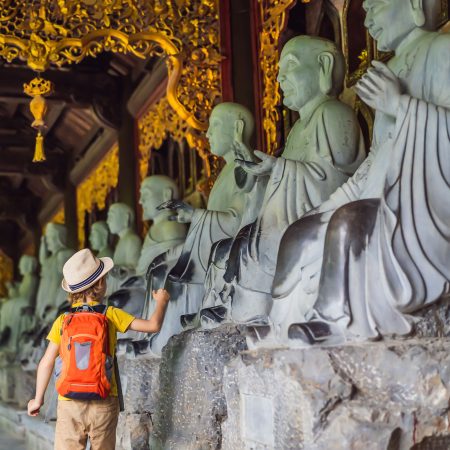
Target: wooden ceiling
86,101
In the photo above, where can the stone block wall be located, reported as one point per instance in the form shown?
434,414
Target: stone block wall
209,392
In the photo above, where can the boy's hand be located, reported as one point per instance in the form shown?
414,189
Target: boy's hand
33,407
161,296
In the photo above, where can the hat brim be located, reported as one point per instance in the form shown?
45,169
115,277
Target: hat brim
108,265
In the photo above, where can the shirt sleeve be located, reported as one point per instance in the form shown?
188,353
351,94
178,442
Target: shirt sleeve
121,319
55,332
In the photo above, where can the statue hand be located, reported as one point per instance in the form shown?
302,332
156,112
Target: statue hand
258,169
184,211
240,149
380,89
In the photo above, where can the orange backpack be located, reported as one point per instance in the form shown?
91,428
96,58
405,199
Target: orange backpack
85,366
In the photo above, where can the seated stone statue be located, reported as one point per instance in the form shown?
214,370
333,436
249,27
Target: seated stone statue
229,123
5,330
17,311
53,253
164,239
379,249
99,239
162,236
120,221
324,148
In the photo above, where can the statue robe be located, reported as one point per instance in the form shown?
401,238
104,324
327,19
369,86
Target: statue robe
323,149
50,295
134,297
219,221
386,251
14,311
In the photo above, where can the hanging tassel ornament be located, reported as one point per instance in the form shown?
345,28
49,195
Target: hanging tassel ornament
38,88
39,154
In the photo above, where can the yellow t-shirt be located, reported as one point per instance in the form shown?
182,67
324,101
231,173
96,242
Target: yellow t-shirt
118,321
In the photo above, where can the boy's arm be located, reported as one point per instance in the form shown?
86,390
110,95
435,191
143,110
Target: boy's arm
44,373
153,325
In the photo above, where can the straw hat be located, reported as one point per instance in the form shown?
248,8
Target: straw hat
83,270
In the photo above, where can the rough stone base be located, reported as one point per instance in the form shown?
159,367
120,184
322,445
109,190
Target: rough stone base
16,386
38,434
209,392
140,385
191,405
376,396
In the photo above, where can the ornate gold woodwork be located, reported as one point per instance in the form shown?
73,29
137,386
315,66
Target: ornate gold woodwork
38,88
59,216
6,272
93,190
160,122
63,32
272,16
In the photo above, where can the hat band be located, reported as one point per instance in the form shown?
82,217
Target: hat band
88,280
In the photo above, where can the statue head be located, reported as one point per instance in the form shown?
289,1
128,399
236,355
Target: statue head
27,265
55,237
155,190
390,21
310,67
120,218
98,236
226,119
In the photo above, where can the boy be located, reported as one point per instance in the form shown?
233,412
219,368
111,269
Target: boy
84,280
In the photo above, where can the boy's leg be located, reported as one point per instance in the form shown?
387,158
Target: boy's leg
71,432
103,416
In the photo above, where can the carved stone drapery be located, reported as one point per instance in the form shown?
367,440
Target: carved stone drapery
93,190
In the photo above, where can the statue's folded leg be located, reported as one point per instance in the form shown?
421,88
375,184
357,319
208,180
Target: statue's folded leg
347,234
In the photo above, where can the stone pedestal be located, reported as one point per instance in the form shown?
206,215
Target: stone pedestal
140,385
16,386
191,406
373,396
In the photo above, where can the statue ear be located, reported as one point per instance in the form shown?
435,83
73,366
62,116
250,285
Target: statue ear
238,130
167,194
326,63
417,12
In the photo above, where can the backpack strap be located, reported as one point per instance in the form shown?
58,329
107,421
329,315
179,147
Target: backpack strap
102,309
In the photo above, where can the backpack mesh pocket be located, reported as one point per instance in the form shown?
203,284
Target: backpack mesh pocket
82,354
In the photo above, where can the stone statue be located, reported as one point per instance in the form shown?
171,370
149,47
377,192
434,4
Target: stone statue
164,233
324,148
53,253
379,248
17,311
229,124
120,221
163,237
99,239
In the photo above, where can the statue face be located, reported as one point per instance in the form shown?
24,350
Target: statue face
97,238
298,76
53,238
25,265
150,199
220,133
117,220
388,22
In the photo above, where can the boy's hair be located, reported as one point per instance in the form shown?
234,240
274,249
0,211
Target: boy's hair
95,292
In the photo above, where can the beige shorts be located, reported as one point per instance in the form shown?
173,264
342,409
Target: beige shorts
78,420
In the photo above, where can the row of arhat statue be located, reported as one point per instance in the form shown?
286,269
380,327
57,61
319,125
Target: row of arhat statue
324,244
